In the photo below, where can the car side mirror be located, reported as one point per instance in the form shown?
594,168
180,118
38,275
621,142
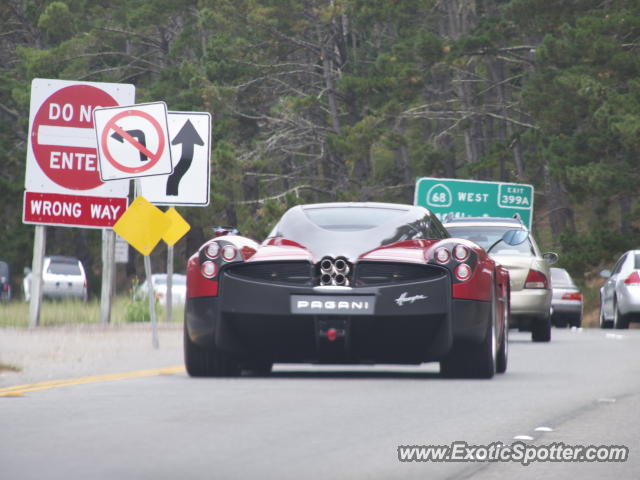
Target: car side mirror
514,237
219,231
550,257
26,271
605,273
511,237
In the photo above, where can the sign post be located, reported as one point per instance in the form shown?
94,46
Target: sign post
108,267
143,225
179,227
169,311
471,198
35,289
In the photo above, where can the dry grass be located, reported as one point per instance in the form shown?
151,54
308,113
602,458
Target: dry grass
4,367
53,313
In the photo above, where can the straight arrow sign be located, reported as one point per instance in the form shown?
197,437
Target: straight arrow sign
188,185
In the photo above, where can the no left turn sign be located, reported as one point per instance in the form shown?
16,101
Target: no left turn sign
133,141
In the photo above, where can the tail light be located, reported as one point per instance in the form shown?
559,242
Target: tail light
5,287
229,252
463,272
633,279
572,296
209,269
212,250
536,279
442,255
461,253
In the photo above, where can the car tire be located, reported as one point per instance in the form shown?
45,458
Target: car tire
620,321
470,360
207,362
259,368
559,322
503,353
604,323
576,321
541,329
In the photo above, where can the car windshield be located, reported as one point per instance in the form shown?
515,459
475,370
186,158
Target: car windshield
486,236
560,276
353,229
64,267
351,219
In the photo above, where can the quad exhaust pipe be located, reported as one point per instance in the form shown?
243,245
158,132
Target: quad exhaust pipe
334,272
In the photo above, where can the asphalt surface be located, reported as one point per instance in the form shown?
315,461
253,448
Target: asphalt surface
321,422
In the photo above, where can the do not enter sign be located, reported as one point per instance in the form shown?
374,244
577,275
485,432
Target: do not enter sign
62,156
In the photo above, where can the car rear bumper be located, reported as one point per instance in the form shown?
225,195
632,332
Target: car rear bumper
59,294
567,307
255,320
532,302
629,299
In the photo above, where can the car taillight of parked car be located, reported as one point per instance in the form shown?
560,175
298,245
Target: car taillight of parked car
633,279
572,296
536,279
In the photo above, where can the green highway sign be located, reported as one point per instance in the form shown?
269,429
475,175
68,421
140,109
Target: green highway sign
471,198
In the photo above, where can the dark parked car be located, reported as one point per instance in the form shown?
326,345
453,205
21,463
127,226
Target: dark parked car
346,283
5,281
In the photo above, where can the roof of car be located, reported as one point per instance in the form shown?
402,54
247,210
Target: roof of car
489,221
62,259
395,206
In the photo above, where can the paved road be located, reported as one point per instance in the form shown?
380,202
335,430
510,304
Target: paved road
326,423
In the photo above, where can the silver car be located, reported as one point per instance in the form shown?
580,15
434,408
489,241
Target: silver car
528,269
620,295
160,288
566,302
62,277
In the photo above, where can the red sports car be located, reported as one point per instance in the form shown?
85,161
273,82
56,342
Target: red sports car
346,283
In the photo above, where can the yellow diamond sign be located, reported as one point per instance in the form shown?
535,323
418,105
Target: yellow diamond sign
142,225
178,228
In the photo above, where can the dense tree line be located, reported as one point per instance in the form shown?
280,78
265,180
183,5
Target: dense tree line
320,100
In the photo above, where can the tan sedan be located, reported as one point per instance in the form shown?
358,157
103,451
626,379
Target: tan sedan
527,266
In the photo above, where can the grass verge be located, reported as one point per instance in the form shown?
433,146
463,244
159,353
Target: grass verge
65,312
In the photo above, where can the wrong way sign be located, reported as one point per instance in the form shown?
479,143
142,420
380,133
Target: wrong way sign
61,152
133,141
189,184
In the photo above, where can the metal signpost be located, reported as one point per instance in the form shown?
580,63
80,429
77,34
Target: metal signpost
132,143
471,198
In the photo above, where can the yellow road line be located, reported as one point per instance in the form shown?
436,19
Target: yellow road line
20,390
